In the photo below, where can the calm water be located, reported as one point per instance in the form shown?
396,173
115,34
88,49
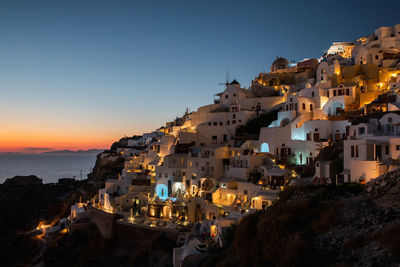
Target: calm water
47,167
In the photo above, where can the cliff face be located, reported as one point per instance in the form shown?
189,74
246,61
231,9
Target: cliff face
321,226
106,168
24,202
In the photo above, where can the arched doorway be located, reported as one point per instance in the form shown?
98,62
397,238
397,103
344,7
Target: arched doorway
264,148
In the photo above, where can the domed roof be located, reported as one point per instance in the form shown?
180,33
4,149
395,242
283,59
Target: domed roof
280,63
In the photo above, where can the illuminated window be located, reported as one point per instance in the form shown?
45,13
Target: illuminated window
264,148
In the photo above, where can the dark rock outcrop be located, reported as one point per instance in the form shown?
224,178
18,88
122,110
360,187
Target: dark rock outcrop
321,226
23,180
106,167
24,202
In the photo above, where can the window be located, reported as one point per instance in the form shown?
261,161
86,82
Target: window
327,93
215,123
240,121
245,192
304,106
376,56
397,147
361,130
347,91
226,96
311,107
220,123
312,94
356,151
387,150
233,121
209,124
264,148
334,92
316,137
352,151
234,116
228,122
234,95
390,119
316,129
287,108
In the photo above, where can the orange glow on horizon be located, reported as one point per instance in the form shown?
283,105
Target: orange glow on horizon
42,143
30,131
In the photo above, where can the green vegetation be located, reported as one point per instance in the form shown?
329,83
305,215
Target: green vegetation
252,128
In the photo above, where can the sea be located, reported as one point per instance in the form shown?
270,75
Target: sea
49,167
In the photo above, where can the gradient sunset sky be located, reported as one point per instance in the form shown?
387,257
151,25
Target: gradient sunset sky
81,74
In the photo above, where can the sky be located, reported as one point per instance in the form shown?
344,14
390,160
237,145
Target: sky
80,74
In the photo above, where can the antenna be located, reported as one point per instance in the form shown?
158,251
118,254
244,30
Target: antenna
227,79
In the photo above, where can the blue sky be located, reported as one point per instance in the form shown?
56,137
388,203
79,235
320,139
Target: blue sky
110,68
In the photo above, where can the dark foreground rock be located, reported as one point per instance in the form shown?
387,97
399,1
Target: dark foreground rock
349,225
24,203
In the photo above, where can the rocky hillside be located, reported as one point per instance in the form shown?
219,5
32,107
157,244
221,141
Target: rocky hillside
24,202
321,226
106,168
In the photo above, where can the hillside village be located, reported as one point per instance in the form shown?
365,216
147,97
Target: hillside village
331,120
